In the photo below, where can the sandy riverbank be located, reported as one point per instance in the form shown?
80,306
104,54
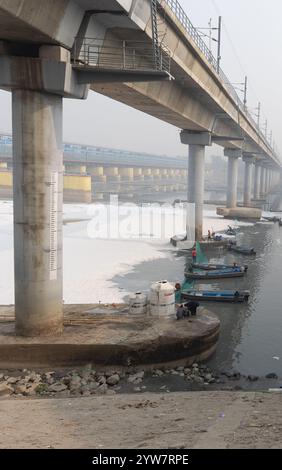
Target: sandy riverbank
177,420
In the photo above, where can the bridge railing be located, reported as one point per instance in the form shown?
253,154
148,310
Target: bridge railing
181,15
120,55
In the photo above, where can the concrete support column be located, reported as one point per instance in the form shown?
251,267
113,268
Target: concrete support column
267,181
147,173
271,179
257,181
77,169
112,174
97,174
126,174
156,173
262,182
138,174
232,176
248,181
38,192
196,173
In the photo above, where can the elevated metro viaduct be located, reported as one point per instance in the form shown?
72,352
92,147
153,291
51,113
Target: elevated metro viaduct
46,55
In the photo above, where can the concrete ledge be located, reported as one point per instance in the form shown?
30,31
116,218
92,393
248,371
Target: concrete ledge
110,336
240,212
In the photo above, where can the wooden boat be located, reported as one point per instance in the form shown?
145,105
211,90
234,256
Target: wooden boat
220,274
216,296
271,219
185,245
215,267
243,250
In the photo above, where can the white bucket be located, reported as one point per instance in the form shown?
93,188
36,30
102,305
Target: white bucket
138,303
162,299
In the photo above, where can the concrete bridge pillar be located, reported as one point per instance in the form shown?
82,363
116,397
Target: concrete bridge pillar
232,176
196,169
267,181
147,173
112,174
76,169
271,179
257,181
138,174
156,173
38,195
37,98
126,174
248,180
262,181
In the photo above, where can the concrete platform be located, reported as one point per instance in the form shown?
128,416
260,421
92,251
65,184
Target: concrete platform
108,335
240,212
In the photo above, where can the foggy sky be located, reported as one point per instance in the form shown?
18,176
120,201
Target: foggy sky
254,27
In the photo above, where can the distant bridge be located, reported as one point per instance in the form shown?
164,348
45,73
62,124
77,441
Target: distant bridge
106,156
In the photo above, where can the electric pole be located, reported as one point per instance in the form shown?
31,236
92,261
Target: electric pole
258,115
245,93
219,43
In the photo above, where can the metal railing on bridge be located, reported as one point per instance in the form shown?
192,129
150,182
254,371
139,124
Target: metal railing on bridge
181,15
120,55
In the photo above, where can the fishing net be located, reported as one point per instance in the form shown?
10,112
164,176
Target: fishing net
201,257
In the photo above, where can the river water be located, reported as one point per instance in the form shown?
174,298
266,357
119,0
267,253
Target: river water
251,334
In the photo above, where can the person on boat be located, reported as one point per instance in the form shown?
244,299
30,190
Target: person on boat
194,254
180,312
209,235
191,307
236,268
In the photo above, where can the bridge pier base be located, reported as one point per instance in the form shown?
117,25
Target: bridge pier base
196,167
232,176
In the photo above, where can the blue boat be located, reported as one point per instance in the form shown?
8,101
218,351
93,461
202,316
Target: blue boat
230,296
220,274
215,267
243,250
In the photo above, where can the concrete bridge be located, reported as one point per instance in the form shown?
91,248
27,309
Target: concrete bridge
93,173
54,50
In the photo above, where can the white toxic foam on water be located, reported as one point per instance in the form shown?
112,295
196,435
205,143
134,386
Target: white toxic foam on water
91,263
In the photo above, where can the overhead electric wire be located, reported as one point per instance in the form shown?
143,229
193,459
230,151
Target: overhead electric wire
236,55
